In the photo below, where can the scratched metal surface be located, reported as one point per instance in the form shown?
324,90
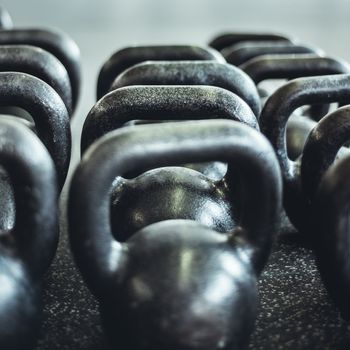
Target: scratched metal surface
295,310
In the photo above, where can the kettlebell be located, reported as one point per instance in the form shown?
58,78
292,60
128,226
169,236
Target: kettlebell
294,66
175,284
57,43
26,248
243,52
192,73
39,63
164,103
330,232
129,56
302,176
225,40
291,66
5,19
48,111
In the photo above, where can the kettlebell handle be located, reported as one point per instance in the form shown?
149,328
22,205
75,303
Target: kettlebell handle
129,56
211,73
248,154
162,103
245,51
294,94
321,148
229,39
295,66
39,63
31,171
292,66
57,43
48,111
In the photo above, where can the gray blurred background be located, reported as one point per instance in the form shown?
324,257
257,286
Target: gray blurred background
295,309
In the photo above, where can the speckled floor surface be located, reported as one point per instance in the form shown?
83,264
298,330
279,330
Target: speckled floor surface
295,310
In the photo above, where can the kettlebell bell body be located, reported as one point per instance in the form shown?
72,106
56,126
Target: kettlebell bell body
213,307
330,233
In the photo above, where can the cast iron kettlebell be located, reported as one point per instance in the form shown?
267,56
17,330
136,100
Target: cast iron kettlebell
47,110
330,232
294,66
39,63
192,73
28,245
224,40
129,56
176,284
161,103
243,52
302,176
57,43
291,66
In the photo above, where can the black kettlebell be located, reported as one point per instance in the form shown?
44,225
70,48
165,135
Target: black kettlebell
243,52
5,19
39,63
129,56
176,284
294,66
163,103
330,232
291,66
57,43
192,73
48,111
28,245
159,103
302,176
224,40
